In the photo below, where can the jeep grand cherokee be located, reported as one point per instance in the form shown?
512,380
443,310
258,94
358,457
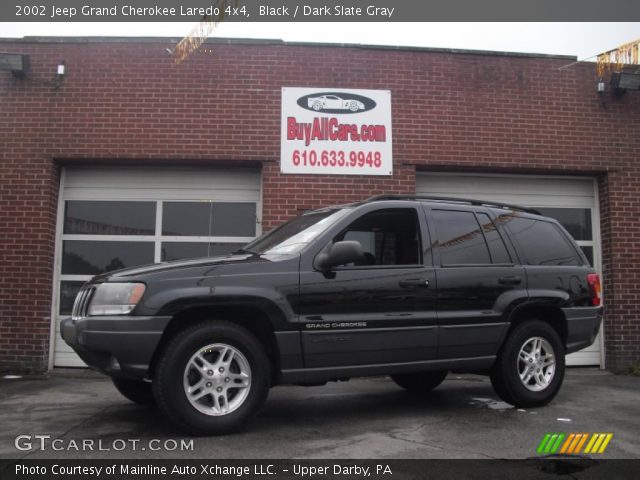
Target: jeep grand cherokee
410,287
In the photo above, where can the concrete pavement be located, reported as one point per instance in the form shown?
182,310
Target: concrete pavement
362,418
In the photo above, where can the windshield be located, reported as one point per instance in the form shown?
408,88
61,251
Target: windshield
293,236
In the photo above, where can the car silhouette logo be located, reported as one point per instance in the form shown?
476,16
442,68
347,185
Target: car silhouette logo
336,102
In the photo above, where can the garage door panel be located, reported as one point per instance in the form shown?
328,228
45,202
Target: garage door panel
64,354
549,192
529,191
584,358
235,195
95,240
162,179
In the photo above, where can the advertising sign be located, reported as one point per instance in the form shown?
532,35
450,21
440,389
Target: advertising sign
336,131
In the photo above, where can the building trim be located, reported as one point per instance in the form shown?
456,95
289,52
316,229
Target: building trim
278,42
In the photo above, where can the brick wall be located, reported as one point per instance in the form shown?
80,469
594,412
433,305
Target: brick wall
125,101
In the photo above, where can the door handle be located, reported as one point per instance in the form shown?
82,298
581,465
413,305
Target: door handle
414,283
514,280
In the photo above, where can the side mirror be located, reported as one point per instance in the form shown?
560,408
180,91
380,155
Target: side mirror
340,253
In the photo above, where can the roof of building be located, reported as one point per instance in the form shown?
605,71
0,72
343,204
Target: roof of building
257,41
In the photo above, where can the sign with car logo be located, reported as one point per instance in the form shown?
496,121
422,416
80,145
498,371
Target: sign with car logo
336,131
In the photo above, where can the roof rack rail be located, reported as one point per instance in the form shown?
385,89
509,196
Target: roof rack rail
468,201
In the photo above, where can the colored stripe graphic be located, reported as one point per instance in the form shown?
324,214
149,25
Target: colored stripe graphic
573,443
543,443
582,442
607,439
598,443
550,443
556,445
576,445
566,445
594,437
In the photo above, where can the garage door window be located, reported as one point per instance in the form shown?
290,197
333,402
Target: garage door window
180,250
101,236
109,218
209,219
91,257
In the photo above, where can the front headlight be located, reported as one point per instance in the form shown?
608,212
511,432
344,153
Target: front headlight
115,298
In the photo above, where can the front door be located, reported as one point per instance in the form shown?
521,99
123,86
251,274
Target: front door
380,311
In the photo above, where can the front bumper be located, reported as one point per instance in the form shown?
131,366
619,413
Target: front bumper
583,325
119,346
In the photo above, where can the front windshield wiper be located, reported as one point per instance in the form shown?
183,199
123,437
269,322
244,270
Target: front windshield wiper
284,249
244,250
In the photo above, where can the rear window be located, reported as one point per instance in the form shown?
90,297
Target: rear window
542,243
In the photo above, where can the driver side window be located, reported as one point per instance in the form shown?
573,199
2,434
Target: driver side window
388,237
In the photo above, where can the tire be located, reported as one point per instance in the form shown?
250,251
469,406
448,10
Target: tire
522,379
317,106
419,382
353,106
225,369
135,390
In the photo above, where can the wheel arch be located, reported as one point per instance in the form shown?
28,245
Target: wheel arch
247,315
551,314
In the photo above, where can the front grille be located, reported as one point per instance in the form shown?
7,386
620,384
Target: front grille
81,304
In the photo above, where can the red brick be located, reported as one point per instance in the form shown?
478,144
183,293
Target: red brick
451,111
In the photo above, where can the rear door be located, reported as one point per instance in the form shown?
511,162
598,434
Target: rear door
478,281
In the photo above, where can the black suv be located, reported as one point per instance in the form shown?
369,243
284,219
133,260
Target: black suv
410,287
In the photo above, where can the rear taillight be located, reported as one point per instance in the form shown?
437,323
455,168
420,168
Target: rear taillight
593,279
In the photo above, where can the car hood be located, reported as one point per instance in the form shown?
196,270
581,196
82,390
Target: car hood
124,274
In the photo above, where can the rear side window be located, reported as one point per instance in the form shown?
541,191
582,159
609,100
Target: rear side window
460,239
542,243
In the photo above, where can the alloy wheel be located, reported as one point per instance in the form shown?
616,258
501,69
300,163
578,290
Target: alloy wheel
217,379
536,364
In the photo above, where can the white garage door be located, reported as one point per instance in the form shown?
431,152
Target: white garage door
111,218
572,201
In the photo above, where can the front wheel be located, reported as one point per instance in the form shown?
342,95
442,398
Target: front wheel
530,367
419,382
212,378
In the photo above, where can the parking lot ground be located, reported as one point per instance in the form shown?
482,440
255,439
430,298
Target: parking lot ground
362,418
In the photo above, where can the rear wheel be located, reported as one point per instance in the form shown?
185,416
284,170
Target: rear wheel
530,367
419,382
212,378
135,390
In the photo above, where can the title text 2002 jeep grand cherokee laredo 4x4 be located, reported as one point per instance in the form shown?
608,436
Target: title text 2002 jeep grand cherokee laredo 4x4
411,287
